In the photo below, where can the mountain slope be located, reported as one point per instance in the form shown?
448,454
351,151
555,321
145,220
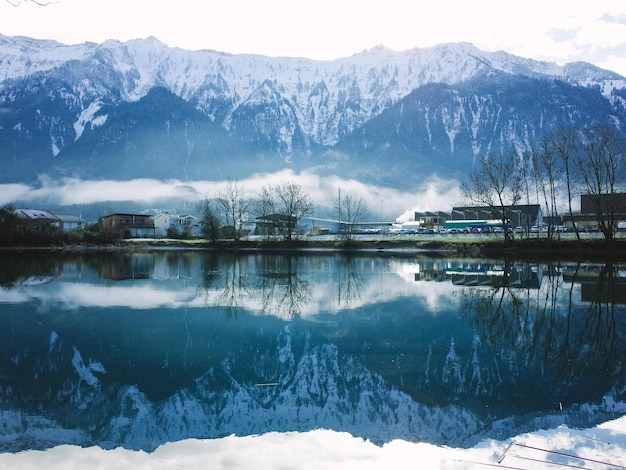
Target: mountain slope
451,126
86,109
159,136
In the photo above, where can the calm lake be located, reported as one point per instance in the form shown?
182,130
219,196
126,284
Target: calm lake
137,350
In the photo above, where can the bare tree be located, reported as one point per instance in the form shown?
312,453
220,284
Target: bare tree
210,223
350,211
563,143
41,3
281,291
529,182
547,176
290,202
265,206
496,183
602,168
234,205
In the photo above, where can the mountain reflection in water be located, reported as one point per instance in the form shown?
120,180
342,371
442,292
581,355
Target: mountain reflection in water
136,350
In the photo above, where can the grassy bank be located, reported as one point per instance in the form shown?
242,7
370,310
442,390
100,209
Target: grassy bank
458,246
526,248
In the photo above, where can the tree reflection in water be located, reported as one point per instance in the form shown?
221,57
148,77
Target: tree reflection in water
280,290
552,331
349,284
268,283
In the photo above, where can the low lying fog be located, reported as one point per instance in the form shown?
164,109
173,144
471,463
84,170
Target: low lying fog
383,203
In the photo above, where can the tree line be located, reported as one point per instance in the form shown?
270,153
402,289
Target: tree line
278,208
15,231
569,162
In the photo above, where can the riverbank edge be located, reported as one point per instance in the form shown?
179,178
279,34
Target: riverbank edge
530,248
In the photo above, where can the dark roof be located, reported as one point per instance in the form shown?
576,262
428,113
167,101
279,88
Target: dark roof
123,214
36,214
276,217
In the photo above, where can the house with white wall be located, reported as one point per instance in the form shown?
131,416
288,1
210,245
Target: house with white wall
182,224
71,222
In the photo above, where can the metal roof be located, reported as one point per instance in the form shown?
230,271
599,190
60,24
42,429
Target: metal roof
36,214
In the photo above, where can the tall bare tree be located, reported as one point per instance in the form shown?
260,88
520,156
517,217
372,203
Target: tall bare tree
497,183
234,205
563,143
547,176
265,206
528,174
291,202
602,168
350,211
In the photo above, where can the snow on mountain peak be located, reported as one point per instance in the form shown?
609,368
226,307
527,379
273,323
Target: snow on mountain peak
442,63
329,99
21,56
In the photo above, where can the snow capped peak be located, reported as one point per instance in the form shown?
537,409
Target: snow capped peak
294,102
379,49
43,54
457,47
21,56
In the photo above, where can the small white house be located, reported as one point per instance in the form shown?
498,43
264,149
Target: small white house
182,224
71,222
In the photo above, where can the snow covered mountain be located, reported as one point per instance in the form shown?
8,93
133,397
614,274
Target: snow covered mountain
140,108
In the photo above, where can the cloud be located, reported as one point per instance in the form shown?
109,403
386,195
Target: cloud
11,193
383,202
563,34
611,18
587,33
436,194
70,191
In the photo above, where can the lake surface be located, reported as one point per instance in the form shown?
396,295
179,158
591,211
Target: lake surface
137,350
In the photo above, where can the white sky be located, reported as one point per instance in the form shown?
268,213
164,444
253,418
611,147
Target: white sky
554,30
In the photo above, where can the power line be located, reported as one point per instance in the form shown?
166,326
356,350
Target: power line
556,452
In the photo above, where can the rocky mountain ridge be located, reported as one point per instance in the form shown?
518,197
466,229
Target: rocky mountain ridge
64,110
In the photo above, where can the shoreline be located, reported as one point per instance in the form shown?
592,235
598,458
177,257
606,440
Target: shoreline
540,248
527,248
